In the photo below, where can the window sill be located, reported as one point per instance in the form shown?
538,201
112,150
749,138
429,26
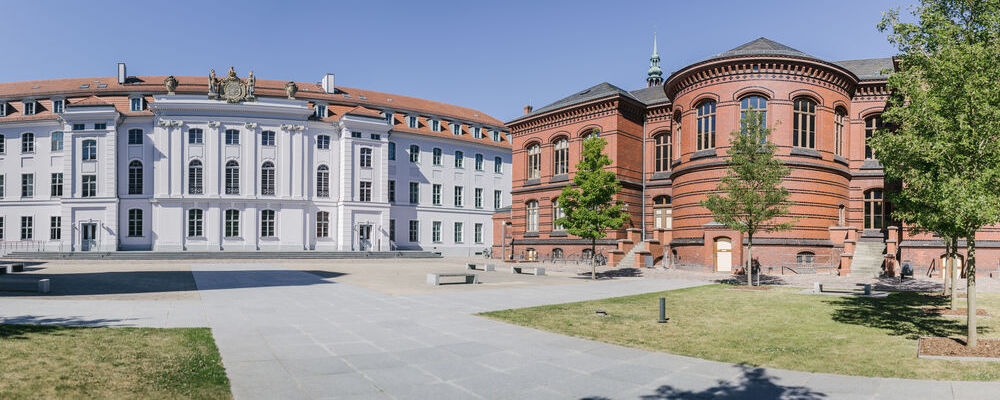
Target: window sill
532,182
233,238
198,238
659,176
558,234
531,234
270,238
559,178
805,152
871,164
841,160
703,154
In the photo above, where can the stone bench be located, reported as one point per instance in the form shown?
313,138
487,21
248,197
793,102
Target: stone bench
861,288
25,285
519,269
435,279
486,267
7,268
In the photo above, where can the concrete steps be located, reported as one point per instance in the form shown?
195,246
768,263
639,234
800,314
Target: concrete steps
206,255
628,261
868,258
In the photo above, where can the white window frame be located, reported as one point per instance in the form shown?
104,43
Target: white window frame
132,106
33,106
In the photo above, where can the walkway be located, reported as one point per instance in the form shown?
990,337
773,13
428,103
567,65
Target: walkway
303,337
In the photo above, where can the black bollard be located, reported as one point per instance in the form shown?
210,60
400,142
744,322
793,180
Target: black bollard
663,310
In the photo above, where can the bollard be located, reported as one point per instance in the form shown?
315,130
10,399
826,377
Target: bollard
817,288
663,310
868,290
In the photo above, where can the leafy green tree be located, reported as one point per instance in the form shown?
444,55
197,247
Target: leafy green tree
754,197
945,115
590,208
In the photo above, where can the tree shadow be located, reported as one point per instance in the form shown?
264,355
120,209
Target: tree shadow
612,273
765,280
18,327
902,314
754,384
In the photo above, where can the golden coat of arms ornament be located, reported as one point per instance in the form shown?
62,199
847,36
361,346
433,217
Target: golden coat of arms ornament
232,89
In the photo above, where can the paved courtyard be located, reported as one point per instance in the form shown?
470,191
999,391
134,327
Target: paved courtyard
291,334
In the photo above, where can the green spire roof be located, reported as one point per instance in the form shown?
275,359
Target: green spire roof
655,75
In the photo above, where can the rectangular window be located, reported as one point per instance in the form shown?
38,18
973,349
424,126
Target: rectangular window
89,150
89,187
459,159
496,199
135,222
375,136
321,111
322,224
55,228
27,142
838,132
57,106
57,141
27,228
435,125
414,231
57,184
356,134
323,142
195,136
2,186
196,223
496,136
436,194
436,156
477,132
136,103
232,228
1,228
414,193
79,127
392,230
456,128
459,232
436,232
498,165
478,231
3,109
29,107
232,136
3,144
267,223
366,157
27,185
392,151
267,138
479,162
479,198
100,126
411,122
414,153
365,191
458,196
134,136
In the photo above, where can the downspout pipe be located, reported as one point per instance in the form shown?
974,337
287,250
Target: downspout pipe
642,200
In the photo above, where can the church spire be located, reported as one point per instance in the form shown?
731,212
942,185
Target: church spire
654,77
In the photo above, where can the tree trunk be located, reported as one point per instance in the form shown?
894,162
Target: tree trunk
593,258
749,268
954,271
970,277
946,267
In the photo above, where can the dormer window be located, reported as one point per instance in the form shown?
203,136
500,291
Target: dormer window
477,132
57,105
136,103
496,135
29,107
456,128
321,111
3,108
411,122
435,125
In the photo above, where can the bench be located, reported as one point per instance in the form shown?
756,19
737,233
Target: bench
25,285
435,279
519,269
861,288
486,267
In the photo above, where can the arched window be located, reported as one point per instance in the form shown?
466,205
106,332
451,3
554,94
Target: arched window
706,125
557,212
135,222
323,181
664,151
28,142
592,132
267,220
135,177
532,216
232,177
561,156
839,121
534,161
89,150
757,103
322,224
267,179
587,253
557,253
872,125
195,178
874,209
841,215
662,213
805,257
196,222
804,123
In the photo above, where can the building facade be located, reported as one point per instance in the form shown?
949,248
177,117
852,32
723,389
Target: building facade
241,164
668,143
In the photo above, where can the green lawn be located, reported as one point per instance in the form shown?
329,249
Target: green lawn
51,362
776,328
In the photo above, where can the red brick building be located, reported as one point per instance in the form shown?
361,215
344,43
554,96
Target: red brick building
668,142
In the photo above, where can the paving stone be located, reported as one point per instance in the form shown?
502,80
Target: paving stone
328,365
373,361
341,385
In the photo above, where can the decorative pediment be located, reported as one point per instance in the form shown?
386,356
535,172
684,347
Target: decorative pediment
232,89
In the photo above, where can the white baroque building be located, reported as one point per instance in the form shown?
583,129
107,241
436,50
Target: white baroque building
232,164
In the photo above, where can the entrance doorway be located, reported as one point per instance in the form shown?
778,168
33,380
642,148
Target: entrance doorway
365,237
88,239
723,255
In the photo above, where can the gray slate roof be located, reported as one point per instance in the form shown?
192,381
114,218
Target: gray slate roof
869,68
761,46
650,95
597,91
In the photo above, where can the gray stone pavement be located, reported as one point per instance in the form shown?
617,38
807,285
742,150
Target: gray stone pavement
286,334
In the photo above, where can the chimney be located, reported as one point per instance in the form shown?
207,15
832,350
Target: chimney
328,84
527,109
121,74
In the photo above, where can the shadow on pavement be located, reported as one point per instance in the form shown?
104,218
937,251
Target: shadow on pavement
612,273
903,314
754,384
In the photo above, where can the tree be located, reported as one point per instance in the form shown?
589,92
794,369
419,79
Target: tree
754,196
944,144
590,208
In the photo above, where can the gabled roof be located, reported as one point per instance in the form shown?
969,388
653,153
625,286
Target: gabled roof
761,46
90,101
597,91
651,95
868,68
364,112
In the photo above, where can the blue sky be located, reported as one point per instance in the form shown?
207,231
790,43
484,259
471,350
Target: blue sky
492,56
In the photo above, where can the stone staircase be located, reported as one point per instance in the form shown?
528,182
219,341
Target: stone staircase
628,261
868,258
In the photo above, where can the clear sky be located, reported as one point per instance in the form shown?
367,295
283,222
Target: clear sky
491,56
